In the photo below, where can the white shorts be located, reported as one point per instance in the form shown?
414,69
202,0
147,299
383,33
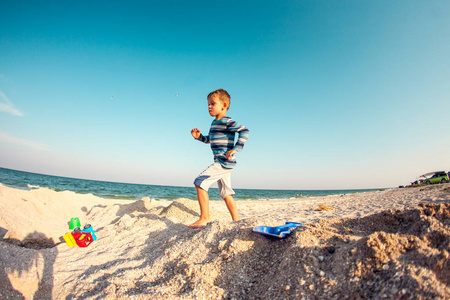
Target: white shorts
219,174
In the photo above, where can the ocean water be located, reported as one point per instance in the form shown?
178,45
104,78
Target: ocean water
117,190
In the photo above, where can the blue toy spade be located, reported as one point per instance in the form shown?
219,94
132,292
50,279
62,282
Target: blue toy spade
279,232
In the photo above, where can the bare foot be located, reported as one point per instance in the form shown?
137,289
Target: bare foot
198,224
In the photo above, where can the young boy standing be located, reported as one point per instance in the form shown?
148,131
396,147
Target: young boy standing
221,137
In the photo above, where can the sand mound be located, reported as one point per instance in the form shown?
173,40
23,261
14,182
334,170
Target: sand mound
40,217
393,254
325,207
145,251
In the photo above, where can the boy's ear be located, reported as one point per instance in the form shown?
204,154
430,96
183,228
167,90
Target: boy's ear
225,105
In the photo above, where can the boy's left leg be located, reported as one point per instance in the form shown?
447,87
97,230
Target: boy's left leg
203,200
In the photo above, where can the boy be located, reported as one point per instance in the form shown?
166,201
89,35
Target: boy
221,137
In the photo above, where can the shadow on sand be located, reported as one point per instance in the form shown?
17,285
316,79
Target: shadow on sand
36,253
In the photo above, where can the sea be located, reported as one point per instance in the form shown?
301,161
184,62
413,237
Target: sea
117,190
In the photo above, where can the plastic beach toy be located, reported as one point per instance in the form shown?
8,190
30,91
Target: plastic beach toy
74,222
68,237
279,232
88,229
83,239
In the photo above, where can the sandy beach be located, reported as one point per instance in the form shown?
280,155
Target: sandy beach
391,244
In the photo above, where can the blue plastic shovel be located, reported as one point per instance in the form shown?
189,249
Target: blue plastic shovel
279,232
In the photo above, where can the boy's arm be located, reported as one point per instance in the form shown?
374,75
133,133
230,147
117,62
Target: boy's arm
204,139
197,134
242,132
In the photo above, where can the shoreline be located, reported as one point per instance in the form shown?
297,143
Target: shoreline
369,245
134,198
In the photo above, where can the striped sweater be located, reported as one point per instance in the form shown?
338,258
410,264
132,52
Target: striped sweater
221,138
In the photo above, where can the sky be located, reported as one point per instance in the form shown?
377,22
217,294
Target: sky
336,94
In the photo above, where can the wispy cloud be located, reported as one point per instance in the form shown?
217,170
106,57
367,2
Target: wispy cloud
30,144
7,106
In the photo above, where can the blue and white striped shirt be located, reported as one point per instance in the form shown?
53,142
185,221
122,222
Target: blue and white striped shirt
221,137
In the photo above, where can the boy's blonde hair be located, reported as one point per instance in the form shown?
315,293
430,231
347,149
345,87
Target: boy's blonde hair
222,95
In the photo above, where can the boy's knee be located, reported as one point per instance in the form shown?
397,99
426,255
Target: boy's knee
197,187
227,197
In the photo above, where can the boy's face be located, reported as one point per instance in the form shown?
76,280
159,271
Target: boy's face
216,107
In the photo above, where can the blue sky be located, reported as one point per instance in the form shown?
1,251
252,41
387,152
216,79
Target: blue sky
336,94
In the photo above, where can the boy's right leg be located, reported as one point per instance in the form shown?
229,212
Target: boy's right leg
226,192
231,205
203,200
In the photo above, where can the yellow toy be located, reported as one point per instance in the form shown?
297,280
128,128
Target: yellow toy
70,240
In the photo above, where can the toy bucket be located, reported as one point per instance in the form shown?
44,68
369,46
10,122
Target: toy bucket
74,222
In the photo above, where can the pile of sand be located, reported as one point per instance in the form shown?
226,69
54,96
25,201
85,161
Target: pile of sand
37,217
144,250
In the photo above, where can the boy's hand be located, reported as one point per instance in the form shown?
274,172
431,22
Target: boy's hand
230,153
195,133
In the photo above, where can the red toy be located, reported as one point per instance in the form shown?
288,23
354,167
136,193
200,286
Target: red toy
83,239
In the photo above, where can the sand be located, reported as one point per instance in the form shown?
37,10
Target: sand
391,244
